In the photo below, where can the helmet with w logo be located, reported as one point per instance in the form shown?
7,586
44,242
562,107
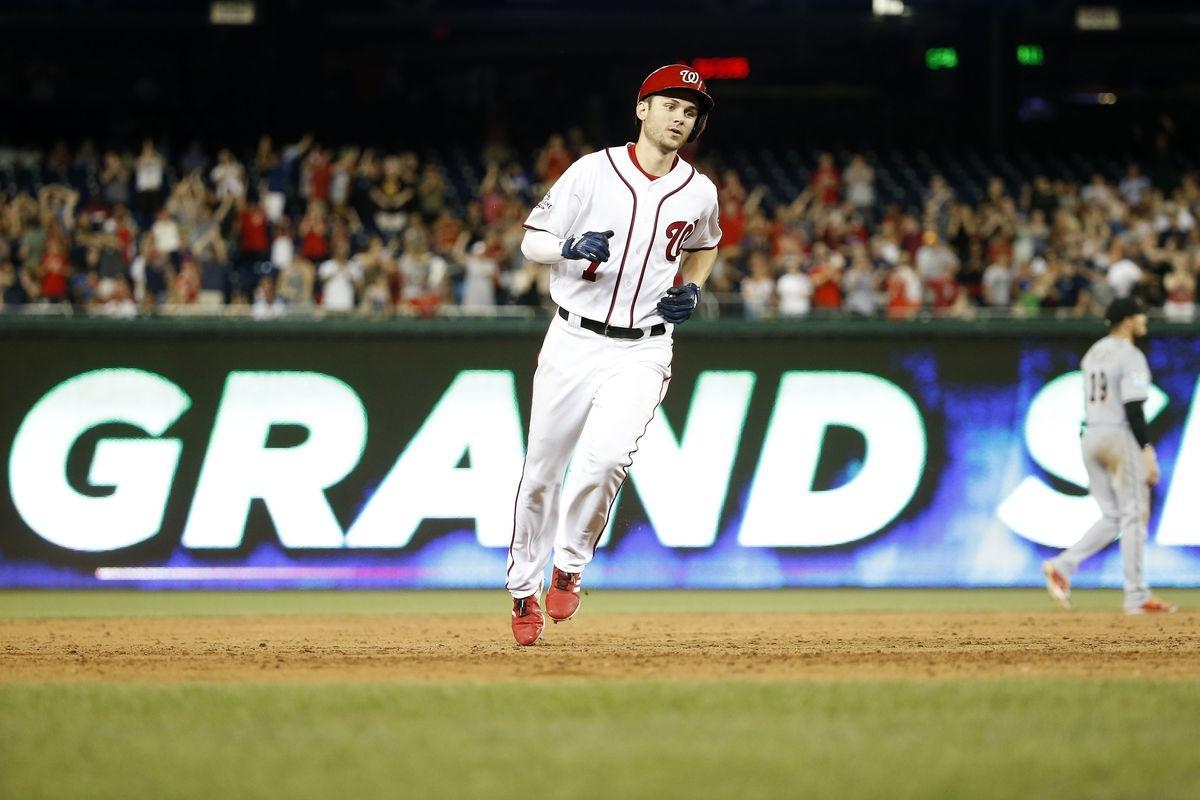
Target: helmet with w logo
680,77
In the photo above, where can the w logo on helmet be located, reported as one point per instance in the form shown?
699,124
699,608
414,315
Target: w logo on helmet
689,76
676,233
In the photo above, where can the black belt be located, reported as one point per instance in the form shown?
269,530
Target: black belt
612,331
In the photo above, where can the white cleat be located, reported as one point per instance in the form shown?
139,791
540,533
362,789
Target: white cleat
1057,585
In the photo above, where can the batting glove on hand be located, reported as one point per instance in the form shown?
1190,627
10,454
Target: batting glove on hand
590,246
679,303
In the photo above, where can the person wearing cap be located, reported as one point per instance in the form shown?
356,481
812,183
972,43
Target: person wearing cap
630,235
1120,461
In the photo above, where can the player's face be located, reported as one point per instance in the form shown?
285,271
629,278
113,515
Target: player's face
1139,325
668,121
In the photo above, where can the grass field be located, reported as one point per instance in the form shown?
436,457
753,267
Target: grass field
1125,736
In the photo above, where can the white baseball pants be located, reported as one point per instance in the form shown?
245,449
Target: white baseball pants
593,398
1117,474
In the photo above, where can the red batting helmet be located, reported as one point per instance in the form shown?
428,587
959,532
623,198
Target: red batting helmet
680,77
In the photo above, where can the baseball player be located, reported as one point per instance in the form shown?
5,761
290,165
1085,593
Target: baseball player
1121,463
630,234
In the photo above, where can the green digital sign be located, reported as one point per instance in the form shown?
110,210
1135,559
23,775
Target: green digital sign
1030,55
941,58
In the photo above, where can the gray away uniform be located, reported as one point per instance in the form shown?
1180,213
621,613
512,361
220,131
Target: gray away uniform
1115,372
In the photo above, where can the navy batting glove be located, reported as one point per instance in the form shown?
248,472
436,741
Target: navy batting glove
590,246
678,304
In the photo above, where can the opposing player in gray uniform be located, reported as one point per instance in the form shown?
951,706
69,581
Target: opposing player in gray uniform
1121,463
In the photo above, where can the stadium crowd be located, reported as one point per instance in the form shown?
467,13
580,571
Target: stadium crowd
305,228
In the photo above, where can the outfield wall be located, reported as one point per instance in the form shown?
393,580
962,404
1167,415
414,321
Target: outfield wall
195,453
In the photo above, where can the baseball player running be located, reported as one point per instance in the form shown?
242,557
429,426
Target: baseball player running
1121,464
630,234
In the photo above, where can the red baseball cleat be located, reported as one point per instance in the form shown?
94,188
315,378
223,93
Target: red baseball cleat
527,622
1153,606
562,598
1057,585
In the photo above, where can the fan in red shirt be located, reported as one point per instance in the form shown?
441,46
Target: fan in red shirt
826,277
253,236
903,290
54,272
944,291
827,180
314,233
553,160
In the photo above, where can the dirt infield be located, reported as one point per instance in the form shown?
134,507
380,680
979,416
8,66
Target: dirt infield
454,647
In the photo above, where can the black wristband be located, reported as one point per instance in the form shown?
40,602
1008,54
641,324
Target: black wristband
1137,422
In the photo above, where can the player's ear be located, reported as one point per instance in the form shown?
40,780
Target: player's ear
643,109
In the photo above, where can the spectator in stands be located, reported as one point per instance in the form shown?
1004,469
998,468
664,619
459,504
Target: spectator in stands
121,302
54,272
267,303
17,287
341,279
481,271
1043,197
271,174
114,180
758,288
283,246
934,256
946,297
392,198
194,160
826,275
149,172
152,275
1098,193
314,233
167,239
1134,187
214,274
228,177
1180,286
294,284
431,193
998,280
317,175
860,284
1069,290
794,289
826,181
903,287
552,161
253,245
185,289
1123,272
859,178
515,182
937,200
422,274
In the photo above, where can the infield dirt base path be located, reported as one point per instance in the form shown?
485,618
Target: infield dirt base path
469,647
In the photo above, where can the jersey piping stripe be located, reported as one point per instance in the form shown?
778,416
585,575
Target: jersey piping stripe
625,467
650,246
628,238
539,230
698,249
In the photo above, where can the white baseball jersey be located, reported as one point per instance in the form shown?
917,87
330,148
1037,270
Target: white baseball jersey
654,220
1115,372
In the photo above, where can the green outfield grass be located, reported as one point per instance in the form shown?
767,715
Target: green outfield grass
108,603
983,739
895,739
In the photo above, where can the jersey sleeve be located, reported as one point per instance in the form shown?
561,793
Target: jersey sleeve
1135,376
558,210
707,234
